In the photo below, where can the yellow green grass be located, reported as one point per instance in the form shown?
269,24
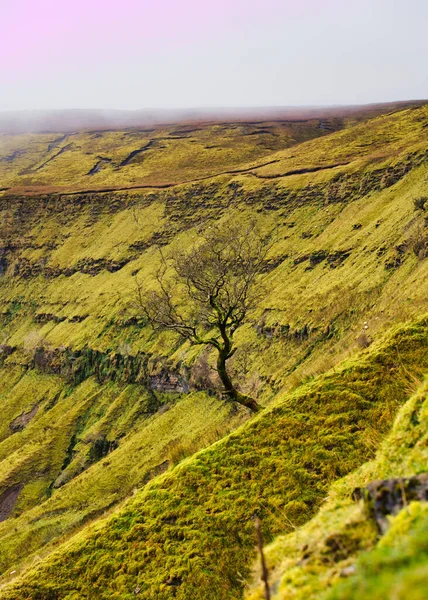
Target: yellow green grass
169,154
193,525
343,272
310,562
149,445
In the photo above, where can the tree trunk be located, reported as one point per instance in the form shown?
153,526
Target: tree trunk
229,388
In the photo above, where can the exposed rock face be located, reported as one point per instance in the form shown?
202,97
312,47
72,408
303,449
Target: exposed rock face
388,497
8,500
3,264
22,421
334,258
169,381
76,365
90,266
5,351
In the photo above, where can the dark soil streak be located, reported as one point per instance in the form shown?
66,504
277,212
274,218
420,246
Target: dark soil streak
261,132
56,142
134,153
8,500
186,131
61,151
298,171
11,157
98,165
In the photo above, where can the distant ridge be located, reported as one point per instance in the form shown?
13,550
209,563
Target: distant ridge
47,121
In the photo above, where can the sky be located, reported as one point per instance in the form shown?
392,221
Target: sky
136,54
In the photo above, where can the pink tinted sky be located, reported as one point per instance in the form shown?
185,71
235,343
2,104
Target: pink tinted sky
138,53
56,30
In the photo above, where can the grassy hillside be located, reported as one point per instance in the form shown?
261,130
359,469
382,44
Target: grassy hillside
96,407
347,252
159,155
318,560
190,533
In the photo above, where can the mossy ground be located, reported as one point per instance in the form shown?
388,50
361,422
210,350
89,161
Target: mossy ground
398,566
193,525
312,562
342,273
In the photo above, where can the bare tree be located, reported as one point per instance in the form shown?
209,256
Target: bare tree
205,294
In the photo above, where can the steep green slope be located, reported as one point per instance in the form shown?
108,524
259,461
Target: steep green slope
94,404
347,253
316,561
190,533
85,483
398,567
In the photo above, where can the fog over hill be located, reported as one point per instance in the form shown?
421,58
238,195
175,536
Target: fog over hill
39,121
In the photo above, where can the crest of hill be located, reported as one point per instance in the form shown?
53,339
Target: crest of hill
52,121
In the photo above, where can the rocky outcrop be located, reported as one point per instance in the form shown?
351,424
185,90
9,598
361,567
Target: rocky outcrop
342,187
90,266
286,331
388,497
77,365
8,500
19,423
169,381
334,258
5,351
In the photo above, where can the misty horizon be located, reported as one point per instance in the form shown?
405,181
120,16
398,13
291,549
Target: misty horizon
137,55
68,120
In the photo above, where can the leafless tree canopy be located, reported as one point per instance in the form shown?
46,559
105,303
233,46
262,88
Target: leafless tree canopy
206,293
